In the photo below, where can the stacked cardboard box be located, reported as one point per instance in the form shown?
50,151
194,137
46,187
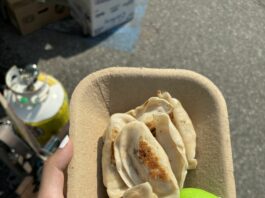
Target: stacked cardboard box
28,15
98,16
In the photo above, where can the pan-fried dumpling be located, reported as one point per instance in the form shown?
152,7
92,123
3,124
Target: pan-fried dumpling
141,158
142,190
183,123
153,105
169,138
111,178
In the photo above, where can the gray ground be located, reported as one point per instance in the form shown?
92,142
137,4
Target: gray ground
222,39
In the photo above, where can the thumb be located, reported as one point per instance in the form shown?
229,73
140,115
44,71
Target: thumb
52,183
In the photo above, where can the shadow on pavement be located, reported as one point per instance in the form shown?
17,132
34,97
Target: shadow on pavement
63,38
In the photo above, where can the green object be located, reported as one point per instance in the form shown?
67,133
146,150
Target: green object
195,193
24,100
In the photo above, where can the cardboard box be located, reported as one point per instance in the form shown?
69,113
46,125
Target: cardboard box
98,16
29,16
120,89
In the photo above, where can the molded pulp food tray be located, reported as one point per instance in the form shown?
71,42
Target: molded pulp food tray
120,89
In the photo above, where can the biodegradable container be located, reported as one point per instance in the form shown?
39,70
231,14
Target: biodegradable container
120,89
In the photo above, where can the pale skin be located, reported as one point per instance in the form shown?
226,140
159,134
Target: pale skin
53,178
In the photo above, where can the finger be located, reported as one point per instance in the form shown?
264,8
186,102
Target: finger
53,177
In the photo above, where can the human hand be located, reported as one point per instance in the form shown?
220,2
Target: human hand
52,184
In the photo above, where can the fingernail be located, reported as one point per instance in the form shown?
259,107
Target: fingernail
64,142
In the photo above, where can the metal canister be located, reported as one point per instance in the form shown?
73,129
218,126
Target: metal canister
38,99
